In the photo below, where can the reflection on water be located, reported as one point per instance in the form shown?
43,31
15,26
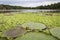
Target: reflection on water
29,10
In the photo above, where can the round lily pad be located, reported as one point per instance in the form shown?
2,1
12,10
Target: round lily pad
34,25
55,32
15,32
36,36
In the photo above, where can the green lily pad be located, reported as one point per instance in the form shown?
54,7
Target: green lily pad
36,36
55,32
34,25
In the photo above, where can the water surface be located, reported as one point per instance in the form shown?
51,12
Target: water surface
30,10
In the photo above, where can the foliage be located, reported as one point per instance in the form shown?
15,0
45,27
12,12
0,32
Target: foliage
3,38
52,6
11,20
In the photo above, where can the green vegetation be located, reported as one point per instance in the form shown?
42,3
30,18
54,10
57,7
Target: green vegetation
36,36
55,32
34,25
12,20
52,6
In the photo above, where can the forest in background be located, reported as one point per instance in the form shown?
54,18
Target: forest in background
52,6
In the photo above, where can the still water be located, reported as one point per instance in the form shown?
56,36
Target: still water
30,10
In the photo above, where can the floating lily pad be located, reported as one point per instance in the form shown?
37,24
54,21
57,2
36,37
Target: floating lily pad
36,36
55,32
15,32
34,25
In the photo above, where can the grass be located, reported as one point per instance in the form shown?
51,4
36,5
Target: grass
11,20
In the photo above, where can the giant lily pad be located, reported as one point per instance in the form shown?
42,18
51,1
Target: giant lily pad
55,32
34,25
36,36
15,32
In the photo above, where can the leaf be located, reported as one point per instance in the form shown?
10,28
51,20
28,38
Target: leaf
55,32
15,32
34,25
36,36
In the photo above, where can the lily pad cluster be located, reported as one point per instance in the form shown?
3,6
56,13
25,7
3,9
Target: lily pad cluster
36,36
21,30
